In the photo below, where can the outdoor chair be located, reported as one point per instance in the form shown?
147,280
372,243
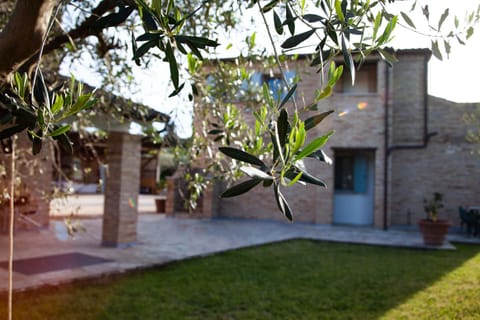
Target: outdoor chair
470,220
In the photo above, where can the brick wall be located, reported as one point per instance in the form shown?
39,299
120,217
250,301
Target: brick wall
207,204
35,177
448,165
408,89
260,203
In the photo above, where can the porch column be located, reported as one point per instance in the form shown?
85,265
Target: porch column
121,190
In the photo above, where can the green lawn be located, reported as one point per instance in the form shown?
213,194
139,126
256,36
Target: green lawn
291,280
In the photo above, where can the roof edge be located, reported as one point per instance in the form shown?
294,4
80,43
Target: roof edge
413,51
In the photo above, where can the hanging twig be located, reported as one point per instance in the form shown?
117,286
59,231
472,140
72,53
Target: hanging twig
49,28
11,228
277,60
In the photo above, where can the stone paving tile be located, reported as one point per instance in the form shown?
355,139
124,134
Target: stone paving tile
162,240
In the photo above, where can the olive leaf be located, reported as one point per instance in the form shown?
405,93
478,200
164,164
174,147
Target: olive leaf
256,173
241,156
297,39
316,119
240,188
321,156
313,146
282,203
306,177
288,96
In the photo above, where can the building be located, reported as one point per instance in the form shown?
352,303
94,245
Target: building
393,145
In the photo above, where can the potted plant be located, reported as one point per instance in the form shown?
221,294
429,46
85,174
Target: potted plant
433,229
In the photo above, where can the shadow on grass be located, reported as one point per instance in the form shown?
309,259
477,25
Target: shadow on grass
298,279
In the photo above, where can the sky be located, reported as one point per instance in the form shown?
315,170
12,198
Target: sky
454,78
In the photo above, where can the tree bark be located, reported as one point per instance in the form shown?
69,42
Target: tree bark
22,58
82,31
23,35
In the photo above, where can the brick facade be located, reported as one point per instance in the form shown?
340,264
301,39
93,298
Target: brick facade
393,124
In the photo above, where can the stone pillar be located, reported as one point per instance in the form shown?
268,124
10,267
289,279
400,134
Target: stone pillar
122,189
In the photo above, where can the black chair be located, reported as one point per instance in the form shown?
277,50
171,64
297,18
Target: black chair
468,219
476,227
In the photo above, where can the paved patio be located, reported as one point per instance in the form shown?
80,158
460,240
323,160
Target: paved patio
162,240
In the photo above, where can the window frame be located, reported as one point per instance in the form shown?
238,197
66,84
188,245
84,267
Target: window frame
370,69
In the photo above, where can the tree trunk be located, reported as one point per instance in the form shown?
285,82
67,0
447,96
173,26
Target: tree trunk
23,35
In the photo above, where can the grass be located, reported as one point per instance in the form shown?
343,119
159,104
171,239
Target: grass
291,280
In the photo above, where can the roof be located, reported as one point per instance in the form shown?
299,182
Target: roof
124,109
127,109
411,51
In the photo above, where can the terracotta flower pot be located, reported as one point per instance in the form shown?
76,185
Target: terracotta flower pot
433,232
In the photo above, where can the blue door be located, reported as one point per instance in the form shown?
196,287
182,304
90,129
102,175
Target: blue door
353,195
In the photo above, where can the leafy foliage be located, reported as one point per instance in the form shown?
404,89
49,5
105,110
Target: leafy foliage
42,112
432,205
288,150
272,151
444,30
163,29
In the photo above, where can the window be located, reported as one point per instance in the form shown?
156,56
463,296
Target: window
365,80
275,83
344,172
351,172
